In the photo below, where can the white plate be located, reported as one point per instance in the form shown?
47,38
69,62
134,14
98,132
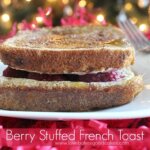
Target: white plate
138,108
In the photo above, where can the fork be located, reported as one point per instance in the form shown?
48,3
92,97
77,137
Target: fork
133,34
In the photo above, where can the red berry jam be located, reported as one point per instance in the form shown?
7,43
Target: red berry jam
111,75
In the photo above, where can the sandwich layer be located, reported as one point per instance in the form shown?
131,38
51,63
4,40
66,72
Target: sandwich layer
34,95
68,49
107,76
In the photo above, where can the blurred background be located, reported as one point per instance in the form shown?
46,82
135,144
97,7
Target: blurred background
29,14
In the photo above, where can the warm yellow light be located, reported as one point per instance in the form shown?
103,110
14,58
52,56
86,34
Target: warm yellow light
51,1
6,2
48,12
128,6
28,0
39,19
143,3
82,3
68,11
143,27
5,17
100,17
65,1
33,26
134,20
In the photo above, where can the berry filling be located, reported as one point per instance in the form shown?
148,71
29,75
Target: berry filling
111,75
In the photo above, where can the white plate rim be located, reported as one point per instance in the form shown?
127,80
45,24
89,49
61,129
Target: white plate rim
75,115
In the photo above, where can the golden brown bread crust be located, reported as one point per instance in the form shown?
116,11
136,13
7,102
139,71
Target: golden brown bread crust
32,95
61,50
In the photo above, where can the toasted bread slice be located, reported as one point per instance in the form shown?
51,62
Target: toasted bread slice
32,95
68,49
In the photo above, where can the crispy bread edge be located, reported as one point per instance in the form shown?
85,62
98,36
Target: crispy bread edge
53,62
68,96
